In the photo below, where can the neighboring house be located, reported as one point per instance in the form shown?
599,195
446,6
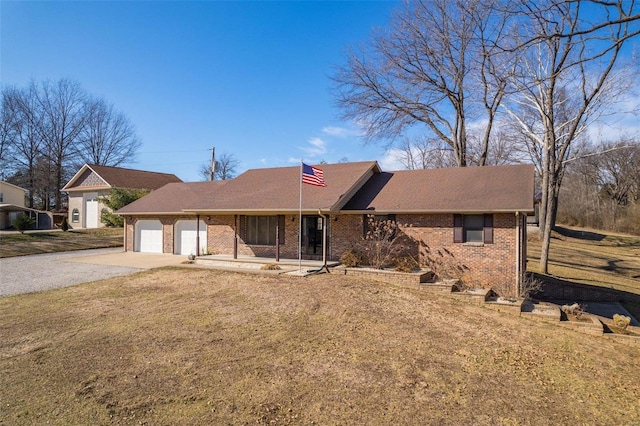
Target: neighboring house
93,182
12,205
477,214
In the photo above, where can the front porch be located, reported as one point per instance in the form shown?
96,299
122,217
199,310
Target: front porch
253,262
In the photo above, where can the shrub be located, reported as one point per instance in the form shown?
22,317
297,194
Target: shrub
23,222
621,321
271,267
406,264
380,246
575,309
65,224
351,258
444,264
530,285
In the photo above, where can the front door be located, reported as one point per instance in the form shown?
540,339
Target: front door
312,235
91,210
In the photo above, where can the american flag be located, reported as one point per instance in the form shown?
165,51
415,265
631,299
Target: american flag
312,175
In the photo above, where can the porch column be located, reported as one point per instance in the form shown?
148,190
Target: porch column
235,236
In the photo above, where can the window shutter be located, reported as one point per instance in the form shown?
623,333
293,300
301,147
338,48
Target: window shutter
281,222
457,228
488,229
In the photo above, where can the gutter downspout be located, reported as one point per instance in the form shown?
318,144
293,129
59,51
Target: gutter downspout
126,227
197,235
235,236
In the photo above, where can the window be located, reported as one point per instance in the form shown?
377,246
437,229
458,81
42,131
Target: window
261,230
473,228
1,197
75,216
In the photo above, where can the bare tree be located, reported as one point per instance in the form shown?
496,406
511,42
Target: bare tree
7,131
49,127
425,154
64,113
565,79
107,136
437,66
21,106
225,168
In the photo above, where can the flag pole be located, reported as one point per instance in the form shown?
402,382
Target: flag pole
300,222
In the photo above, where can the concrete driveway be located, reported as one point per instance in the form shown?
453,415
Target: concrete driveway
27,274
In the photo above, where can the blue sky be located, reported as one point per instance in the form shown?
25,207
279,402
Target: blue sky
250,78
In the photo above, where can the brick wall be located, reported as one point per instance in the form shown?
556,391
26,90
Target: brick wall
485,265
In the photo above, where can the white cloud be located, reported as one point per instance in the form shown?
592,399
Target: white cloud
342,132
316,147
390,160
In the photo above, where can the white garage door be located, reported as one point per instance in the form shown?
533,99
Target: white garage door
185,237
148,236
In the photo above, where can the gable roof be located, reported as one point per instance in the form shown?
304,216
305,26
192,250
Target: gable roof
351,188
260,190
172,198
119,177
278,189
458,189
3,183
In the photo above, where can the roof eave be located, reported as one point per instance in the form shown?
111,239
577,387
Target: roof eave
437,211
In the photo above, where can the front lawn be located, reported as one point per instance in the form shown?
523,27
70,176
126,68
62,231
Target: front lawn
192,346
50,242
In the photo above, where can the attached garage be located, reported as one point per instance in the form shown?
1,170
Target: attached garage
186,237
148,236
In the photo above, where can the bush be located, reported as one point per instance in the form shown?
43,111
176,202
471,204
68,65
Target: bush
406,264
271,267
380,247
65,224
444,264
23,222
351,258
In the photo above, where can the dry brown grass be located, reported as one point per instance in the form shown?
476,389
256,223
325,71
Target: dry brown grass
591,257
51,242
190,346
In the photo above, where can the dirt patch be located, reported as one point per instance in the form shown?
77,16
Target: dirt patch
187,346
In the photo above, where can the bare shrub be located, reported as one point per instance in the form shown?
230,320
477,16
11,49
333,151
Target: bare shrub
406,264
530,285
351,258
444,264
271,267
381,245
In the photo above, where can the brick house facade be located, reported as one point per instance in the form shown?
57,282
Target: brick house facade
434,222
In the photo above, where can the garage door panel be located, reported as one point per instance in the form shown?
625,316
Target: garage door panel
185,237
149,236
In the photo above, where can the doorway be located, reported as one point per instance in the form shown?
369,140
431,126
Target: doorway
312,227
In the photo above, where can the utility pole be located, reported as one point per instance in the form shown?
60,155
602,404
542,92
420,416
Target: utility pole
212,169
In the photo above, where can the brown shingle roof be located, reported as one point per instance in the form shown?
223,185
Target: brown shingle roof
136,179
270,190
351,187
278,189
118,177
172,198
459,189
